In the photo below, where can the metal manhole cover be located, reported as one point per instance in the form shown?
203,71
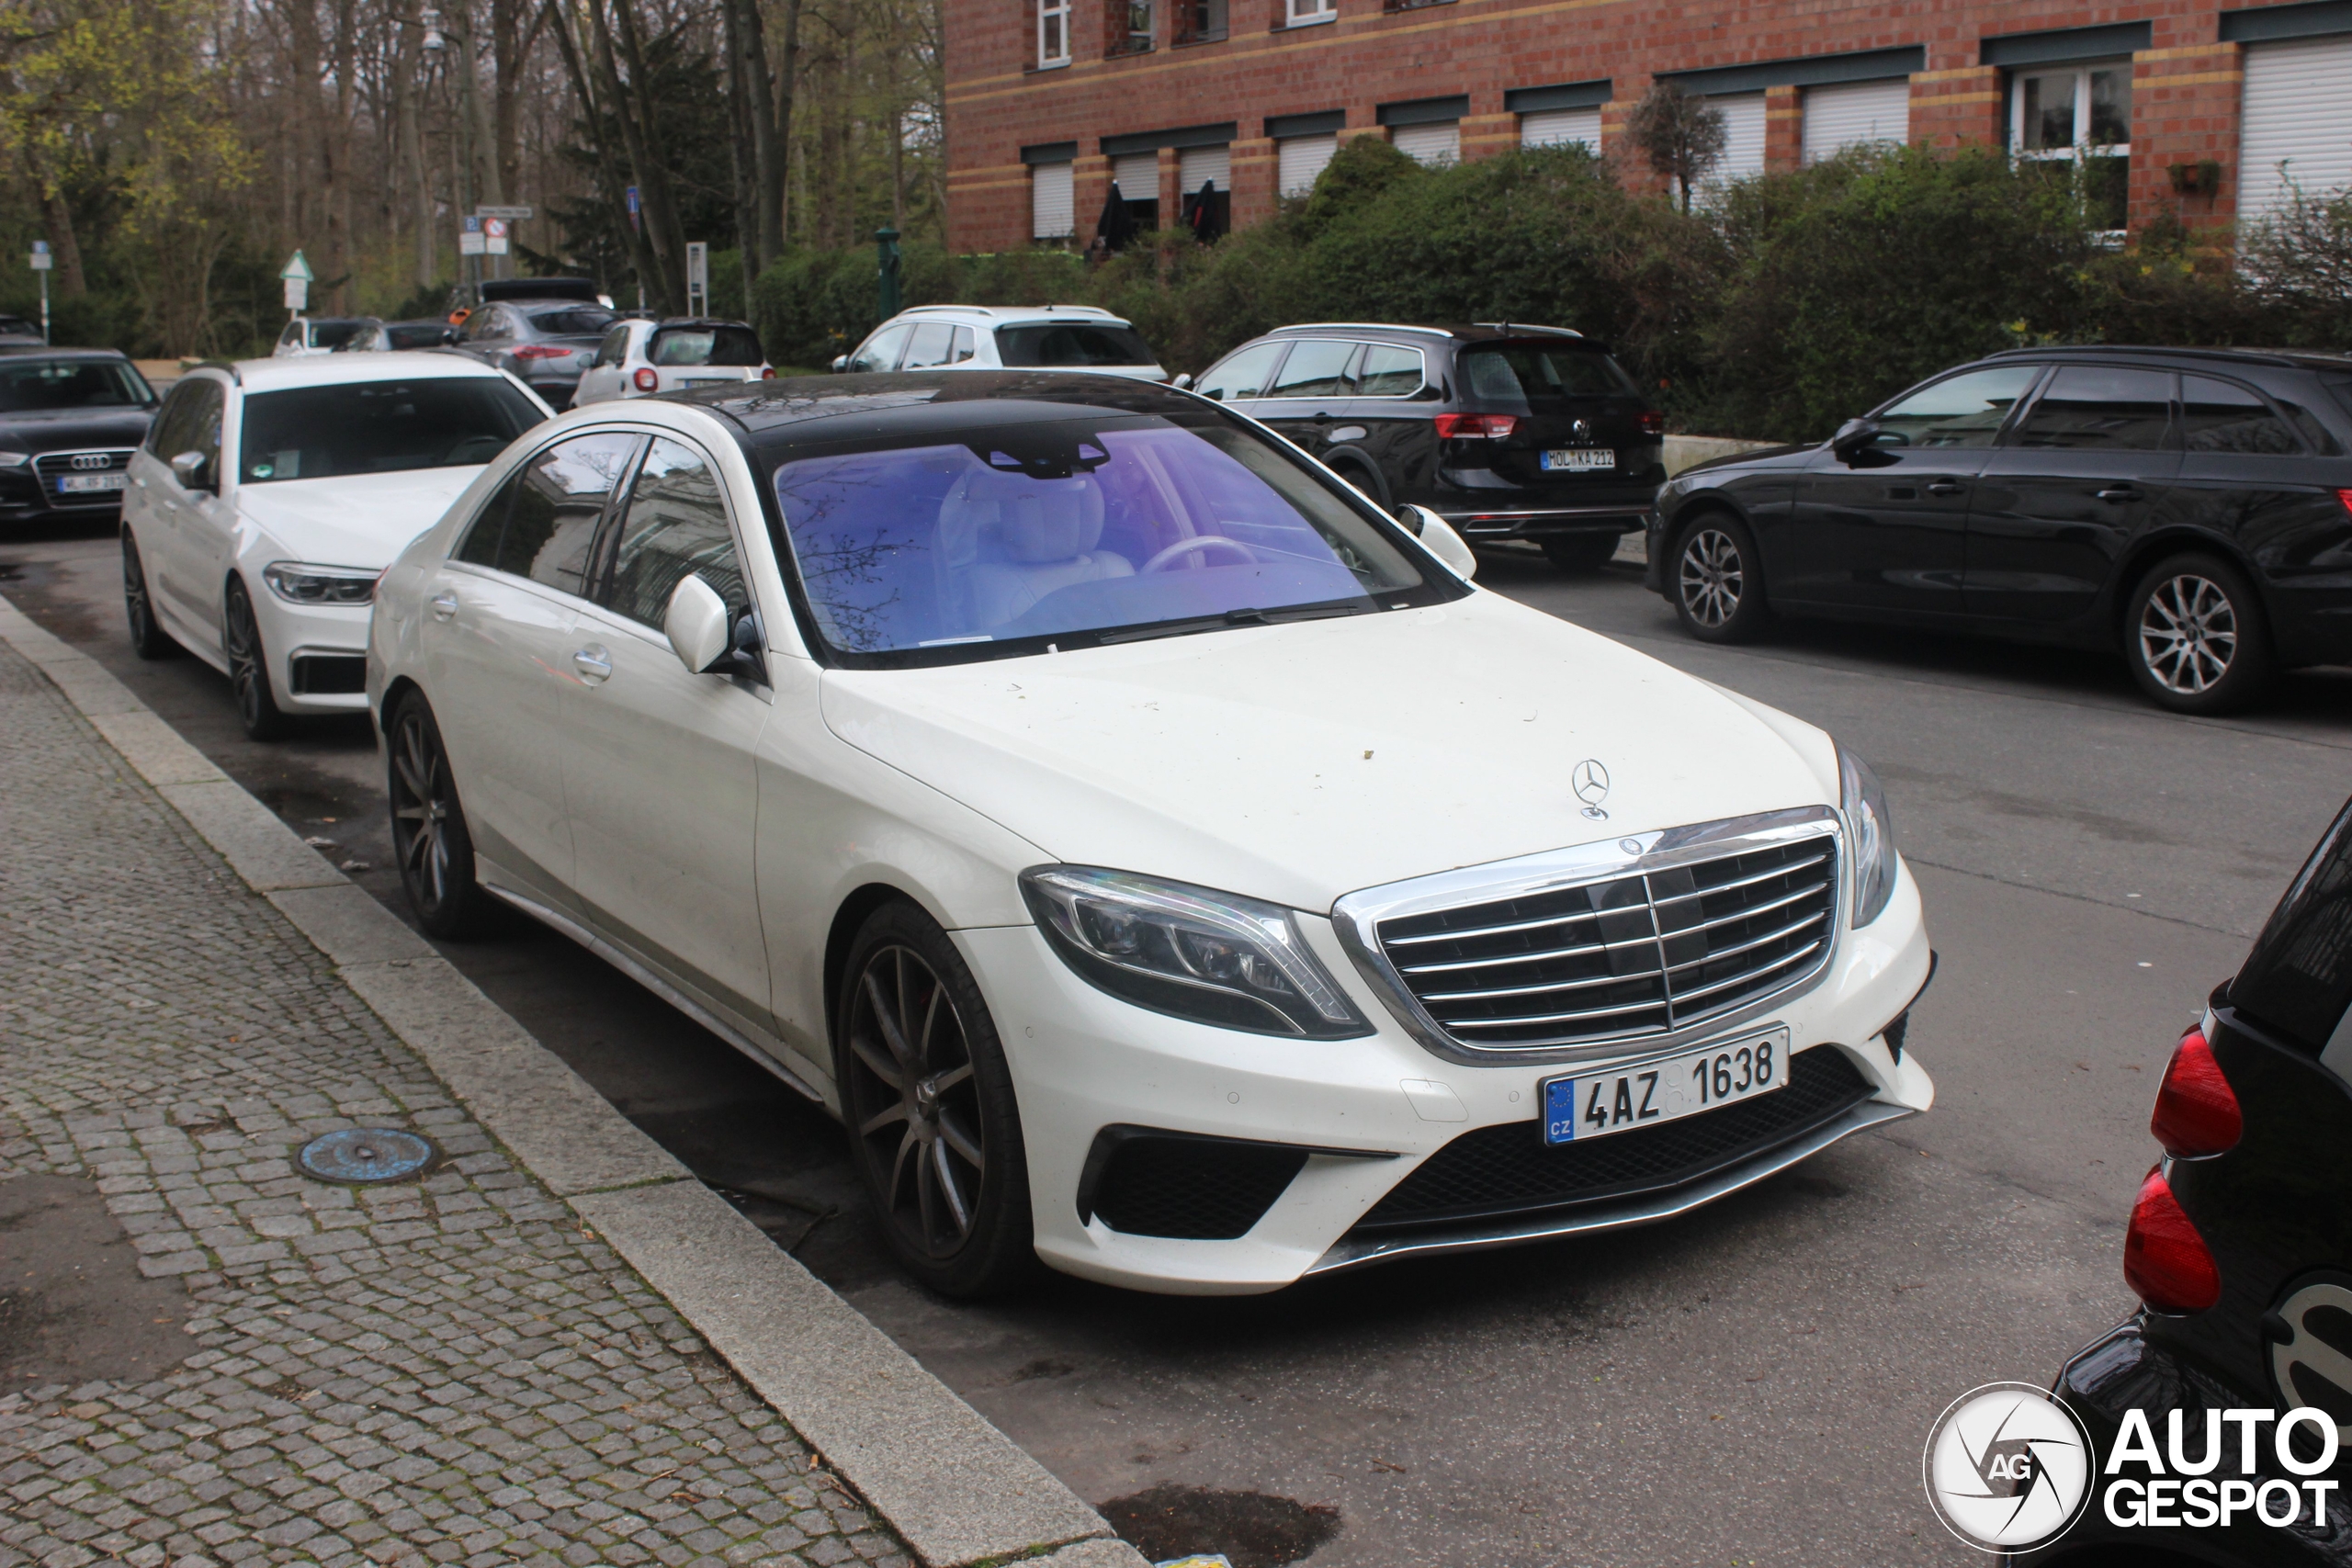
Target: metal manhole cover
365,1154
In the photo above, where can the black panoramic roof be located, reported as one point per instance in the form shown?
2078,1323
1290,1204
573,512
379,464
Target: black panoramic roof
2299,358
925,403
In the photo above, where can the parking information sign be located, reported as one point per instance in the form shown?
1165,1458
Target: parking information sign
470,241
297,276
42,259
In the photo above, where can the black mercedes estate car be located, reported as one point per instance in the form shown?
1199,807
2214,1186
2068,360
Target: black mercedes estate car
69,420
2189,507
2240,1246
1507,431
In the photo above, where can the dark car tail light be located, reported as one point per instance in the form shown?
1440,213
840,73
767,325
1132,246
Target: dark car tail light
1652,423
2345,496
1476,426
767,372
2166,1262
2196,1112
542,351
646,379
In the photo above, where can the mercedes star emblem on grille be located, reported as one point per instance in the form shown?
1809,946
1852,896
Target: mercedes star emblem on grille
87,460
1590,780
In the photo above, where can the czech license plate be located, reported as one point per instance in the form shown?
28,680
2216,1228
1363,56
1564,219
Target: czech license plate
68,483
1578,459
1597,1104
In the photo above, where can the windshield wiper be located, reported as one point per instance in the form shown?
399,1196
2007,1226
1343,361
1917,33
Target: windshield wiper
1281,615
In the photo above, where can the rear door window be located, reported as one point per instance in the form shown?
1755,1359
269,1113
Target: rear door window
2099,408
1388,371
1316,368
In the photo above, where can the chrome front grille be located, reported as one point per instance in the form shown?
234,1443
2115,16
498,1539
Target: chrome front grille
51,466
1674,942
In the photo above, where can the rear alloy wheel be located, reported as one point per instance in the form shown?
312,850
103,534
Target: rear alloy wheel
248,665
933,1123
1580,552
148,639
430,840
2194,635
1716,580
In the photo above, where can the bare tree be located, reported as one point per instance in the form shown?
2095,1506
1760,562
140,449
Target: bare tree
1680,136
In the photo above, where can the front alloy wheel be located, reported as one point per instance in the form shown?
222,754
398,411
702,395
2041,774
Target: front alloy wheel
2195,637
930,1108
1717,590
248,665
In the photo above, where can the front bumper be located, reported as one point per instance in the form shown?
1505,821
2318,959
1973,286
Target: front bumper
1083,1061
317,653
2123,1371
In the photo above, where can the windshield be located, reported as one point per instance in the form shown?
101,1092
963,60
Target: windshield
417,334
30,386
381,427
704,345
1518,374
1075,533
586,320
1064,345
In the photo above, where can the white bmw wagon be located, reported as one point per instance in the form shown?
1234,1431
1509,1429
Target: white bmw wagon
1165,864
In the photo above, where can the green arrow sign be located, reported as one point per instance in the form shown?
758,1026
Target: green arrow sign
296,269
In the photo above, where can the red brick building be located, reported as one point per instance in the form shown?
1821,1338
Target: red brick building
2212,112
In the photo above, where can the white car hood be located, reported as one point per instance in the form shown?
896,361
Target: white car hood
362,520
1301,763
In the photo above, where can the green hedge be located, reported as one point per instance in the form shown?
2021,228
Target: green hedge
1795,301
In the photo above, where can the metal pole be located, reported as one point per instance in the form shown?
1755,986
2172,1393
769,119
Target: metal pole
44,306
885,242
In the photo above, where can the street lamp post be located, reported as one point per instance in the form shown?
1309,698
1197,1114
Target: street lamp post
42,262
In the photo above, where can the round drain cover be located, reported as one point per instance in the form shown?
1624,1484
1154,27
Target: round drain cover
365,1154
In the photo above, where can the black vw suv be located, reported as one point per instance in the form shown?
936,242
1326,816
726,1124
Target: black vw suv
2190,507
1507,431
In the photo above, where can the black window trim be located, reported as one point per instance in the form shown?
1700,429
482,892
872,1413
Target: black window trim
1361,343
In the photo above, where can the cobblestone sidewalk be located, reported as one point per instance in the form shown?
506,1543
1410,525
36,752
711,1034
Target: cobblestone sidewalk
445,1370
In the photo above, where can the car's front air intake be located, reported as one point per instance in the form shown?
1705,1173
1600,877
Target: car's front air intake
1652,952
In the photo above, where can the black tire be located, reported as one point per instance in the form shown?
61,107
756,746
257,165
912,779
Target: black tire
249,666
933,1128
1580,552
148,638
1716,581
1365,481
2195,637
431,843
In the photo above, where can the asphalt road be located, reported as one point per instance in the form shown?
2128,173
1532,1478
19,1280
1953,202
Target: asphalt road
1751,1384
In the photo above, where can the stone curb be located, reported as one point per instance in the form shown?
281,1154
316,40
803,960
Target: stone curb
957,1489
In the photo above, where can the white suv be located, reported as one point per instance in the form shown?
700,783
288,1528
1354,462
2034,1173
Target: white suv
270,493
1006,337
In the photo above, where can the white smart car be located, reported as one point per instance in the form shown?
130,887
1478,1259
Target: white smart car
270,493
638,358
1163,861
1006,337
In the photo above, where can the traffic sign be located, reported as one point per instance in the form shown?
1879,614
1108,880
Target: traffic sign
42,260
632,208
297,293
297,267
469,240
512,214
494,236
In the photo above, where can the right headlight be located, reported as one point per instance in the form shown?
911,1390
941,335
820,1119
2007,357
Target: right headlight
1214,957
1873,832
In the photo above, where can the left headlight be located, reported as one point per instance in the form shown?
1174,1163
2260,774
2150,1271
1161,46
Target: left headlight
300,583
1214,957
1873,836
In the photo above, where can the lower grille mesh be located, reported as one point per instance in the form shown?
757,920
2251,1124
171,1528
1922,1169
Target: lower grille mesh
1509,1169
1200,1189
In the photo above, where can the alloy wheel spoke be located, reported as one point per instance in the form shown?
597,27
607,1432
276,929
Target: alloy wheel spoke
951,1078
895,1111
926,1178
958,1211
879,1063
955,1138
887,1021
907,1145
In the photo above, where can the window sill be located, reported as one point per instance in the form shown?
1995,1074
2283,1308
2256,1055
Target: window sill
1327,19
1390,7
1129,54
1196,42
1050,65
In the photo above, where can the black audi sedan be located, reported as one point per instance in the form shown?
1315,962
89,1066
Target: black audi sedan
2190,507
1506,431
2240,1248
70,419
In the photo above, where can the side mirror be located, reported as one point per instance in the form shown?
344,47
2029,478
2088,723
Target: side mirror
1858,441
449,334
188,468
840,363
1182,383
697,625
1438,537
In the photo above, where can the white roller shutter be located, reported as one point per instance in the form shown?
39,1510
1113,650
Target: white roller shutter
1433,144
1742,139
2298,113
1856,114
1052,209
1197,165
1558,128
1298,159
1138,176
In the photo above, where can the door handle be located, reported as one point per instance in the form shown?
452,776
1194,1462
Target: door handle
2119,493
1946,487
445,605
593,663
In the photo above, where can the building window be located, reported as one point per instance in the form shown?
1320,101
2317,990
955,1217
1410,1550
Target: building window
1128,26
1200,21
1299,159
1435,142
1204,174
1053,204
1307,13
2079,114
1856,114
1052,33
1562,127
2296,138
1137,176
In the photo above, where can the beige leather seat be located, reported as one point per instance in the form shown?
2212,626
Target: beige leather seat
1007,540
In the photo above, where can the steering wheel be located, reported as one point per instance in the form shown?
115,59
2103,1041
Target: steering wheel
1163,559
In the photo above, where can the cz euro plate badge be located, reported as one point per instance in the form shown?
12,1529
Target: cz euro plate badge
1597,1104
1578,459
